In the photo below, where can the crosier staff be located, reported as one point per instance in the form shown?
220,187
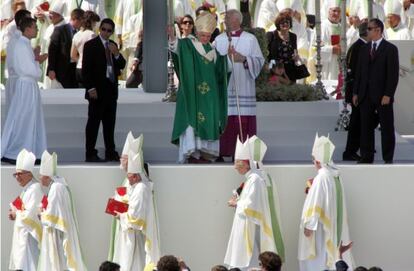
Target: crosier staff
235,85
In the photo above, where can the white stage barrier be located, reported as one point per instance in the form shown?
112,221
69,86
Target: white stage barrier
195,221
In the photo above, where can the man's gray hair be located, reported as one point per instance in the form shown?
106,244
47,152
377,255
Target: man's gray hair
236,13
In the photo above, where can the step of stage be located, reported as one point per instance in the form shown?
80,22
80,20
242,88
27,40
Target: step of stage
288,128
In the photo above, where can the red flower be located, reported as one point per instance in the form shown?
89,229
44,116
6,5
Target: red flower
44,202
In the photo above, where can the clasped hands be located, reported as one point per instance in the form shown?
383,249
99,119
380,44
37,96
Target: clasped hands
236,56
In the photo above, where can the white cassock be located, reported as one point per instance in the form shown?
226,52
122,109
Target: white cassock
27,232
24,126
136,237
401,32
97,6
252,231
45,42
330,67
243,75
267,14
324,212
60,244
13,35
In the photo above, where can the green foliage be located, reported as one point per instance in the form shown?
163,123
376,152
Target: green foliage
283,93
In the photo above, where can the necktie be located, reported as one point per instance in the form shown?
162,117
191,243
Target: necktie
110,66
373,49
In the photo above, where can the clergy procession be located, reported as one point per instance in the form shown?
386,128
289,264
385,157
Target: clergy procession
217,62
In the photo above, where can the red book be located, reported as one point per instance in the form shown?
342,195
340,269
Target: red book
121,191
45,6
114,205
44,202
335,39
18,203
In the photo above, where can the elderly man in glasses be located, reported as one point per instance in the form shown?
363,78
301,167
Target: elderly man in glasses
101,65
27,232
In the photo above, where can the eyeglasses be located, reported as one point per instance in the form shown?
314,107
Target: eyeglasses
187,22
284,22
107,30
372,28
18,174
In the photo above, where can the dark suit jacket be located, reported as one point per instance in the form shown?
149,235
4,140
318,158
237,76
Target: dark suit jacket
378,76
274,42
59,56
94,69
352,57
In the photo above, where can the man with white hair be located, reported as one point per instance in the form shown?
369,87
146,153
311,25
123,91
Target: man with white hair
245,61
324,225
253,230
24,126
60,248
136,236
397,29
27,231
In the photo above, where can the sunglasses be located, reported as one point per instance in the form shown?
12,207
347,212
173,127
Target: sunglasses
106,30
187,22
371,28
18,174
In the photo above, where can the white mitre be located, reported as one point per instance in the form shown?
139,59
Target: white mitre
25,160
323,149
48,164
242,150
135,164
133,144
58,7
257,148
333,3
393,7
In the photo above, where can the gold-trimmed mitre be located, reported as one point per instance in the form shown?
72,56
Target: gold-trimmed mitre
206,22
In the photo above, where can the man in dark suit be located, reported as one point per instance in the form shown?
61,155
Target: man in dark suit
60,66
374,88
354,128
102,64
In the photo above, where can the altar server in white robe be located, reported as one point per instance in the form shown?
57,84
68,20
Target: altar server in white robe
329,53
136,237
60,248
397,29
27,231
248,62
324,224
252,231
12,34
134,145
24,126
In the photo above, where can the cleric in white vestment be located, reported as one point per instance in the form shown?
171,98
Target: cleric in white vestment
24,126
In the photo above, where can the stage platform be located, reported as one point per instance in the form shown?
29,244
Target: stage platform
288,128
195,222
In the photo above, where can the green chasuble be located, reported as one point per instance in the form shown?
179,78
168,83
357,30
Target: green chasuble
202,92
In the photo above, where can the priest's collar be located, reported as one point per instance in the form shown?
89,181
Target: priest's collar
236,33
28,185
